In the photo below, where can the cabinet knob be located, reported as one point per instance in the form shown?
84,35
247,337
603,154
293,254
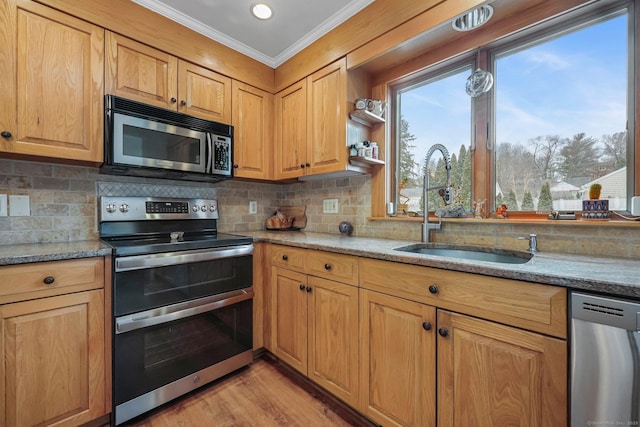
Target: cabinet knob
433,289
308,289
235,166
327,266
302,287
308,164
284,257
173,100
183,102
426,326
6,134
49,280
301,165
444,332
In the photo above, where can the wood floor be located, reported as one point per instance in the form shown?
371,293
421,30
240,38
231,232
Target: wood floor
265,394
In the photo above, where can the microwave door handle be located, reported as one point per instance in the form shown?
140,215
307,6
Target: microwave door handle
209,153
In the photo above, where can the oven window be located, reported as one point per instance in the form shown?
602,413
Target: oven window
148,358
139,290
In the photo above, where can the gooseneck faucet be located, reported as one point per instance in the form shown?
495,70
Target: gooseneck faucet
448,196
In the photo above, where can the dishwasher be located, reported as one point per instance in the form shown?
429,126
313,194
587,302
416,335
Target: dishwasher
605,361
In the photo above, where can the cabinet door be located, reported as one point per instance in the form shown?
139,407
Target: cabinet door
397,364
495,375
290,317
290,140
333,338
141,73
52,83
203,93
327,119
53,357
252,120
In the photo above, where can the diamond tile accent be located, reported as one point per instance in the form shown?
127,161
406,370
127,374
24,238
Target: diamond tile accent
130,189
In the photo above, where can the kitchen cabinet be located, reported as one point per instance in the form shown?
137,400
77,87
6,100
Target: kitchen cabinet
54,368
52,84
489,372
494,375
252,119
315,321
311,124
397,360
141,73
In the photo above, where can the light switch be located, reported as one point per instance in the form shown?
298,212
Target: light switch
3,205
253,207
19,206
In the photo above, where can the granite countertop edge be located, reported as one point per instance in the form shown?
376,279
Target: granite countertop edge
613,276
42,252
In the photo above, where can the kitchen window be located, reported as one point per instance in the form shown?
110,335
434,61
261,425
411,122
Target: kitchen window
558,118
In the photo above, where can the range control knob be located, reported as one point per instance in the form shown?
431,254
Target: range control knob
203,208
124,208
195,208
213,208
111,208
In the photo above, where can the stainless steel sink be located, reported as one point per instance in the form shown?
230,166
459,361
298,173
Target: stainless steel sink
468,252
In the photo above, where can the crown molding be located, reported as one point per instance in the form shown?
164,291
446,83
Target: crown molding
336,19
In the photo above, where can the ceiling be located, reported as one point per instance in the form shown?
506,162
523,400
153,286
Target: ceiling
295,24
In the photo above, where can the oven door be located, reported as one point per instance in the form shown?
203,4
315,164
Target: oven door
144,282
163,353
148,143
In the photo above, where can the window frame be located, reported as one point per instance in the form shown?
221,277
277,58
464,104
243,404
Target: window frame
482,141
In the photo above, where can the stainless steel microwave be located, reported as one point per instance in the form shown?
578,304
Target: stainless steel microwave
143,140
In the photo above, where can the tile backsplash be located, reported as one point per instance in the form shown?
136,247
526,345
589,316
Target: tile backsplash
64,200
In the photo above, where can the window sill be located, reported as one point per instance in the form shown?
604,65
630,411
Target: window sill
517,219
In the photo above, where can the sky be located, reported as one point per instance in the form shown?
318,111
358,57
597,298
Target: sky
576,83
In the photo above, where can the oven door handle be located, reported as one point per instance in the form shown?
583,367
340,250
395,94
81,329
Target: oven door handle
180,311
138,262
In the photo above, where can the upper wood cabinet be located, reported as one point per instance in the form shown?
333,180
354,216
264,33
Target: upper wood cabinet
311,121
142,73
252,120
52,83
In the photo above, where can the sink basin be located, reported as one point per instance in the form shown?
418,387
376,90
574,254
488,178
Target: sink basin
474,253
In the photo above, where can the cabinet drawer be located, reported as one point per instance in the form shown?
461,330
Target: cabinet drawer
532,306
42,279
286,256
341,268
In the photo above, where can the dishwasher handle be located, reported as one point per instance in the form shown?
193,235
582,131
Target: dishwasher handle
607,311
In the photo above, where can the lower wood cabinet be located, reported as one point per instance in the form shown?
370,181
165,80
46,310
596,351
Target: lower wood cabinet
495,375
397,360
315,330
53,357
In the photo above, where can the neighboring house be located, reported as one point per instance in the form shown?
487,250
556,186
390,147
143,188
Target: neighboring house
614,188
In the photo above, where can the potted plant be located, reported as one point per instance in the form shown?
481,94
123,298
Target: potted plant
595,208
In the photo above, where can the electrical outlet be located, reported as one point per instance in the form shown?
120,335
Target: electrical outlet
3,205
330,206
19,206
253,207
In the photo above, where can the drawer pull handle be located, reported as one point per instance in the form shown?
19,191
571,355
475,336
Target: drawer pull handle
426,326
284,257
302,287
49,280
433,289
6,134
327,266
309,289
444,332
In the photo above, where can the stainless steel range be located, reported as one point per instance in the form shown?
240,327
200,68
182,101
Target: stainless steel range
182,299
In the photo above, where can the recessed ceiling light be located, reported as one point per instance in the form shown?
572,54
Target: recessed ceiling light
261,11
473,19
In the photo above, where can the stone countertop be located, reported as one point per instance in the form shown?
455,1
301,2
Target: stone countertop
598,274
39,252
